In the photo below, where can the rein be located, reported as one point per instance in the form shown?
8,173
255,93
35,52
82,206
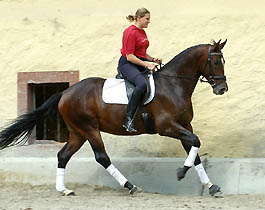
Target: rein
159,67
178,77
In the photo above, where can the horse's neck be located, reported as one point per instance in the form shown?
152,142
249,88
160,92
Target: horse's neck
184,75
188,65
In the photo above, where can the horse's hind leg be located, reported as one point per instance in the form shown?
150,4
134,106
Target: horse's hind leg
64,155
103,159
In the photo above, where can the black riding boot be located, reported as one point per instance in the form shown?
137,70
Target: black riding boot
131,109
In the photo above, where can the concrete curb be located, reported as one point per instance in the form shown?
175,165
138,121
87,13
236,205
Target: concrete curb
235,176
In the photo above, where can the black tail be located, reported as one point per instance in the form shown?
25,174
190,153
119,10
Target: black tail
19,130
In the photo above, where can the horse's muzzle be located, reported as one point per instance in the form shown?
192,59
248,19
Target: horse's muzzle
220,89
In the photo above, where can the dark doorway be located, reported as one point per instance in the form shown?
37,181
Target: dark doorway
50,128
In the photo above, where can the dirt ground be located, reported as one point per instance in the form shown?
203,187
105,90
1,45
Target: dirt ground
45,197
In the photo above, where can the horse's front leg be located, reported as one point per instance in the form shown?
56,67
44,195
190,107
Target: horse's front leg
214,190
177,131
192,145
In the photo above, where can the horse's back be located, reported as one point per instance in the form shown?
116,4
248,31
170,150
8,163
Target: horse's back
77,98
85,85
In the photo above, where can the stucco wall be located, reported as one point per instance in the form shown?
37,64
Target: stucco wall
43,35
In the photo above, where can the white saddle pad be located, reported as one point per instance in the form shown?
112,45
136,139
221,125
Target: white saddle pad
114,91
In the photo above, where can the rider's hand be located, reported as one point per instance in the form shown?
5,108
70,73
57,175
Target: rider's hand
157,60
151,66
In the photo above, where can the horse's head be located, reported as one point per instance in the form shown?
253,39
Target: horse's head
213,69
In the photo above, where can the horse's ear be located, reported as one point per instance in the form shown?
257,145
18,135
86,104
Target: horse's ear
221,46
216,45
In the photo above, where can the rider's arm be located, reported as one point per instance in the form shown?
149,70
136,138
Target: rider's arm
149,58
133,59
152,59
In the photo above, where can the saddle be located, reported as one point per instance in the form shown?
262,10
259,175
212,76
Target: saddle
130,86
118,91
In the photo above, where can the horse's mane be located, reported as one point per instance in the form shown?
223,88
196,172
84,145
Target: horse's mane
178,57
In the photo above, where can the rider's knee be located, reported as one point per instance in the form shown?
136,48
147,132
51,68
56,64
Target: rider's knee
140,83
142,87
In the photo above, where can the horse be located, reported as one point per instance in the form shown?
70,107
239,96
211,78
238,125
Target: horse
170,114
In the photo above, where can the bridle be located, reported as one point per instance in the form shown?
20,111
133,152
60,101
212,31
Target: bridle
213,78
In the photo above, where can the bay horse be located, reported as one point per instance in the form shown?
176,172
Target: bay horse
85,114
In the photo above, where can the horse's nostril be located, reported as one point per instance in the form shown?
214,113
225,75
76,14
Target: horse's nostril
222,91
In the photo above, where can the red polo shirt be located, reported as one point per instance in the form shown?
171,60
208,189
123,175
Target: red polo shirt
134,41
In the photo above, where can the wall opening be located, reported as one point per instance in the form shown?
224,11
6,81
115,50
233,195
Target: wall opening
34,88
49,128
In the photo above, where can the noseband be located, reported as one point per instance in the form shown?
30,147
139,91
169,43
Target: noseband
213,78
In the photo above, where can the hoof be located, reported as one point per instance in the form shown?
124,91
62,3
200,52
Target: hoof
180,173
135,189
67,192
215,191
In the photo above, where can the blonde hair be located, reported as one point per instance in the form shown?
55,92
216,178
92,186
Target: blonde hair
140,12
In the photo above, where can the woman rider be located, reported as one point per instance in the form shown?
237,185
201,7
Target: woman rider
133,61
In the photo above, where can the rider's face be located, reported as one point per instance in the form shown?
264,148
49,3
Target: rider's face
144,21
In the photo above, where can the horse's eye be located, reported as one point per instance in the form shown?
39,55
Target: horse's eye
216,62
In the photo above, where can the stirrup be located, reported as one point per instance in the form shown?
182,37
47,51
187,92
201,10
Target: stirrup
128,125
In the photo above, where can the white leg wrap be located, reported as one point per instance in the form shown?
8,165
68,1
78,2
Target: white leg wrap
117,175
202,174
191,157
60,179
